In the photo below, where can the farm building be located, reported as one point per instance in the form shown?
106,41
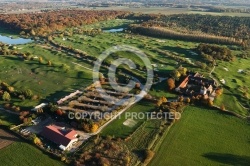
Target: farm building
42,105
61,136
195,84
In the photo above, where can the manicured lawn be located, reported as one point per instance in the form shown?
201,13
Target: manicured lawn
23,154
117,129
205,137
96,44
49,82
160,90
237,84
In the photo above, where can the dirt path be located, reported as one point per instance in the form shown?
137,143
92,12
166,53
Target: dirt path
232,113
82,66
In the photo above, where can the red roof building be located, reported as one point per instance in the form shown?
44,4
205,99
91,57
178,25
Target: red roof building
60,135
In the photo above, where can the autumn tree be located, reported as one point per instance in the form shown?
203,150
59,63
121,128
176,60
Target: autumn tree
49,63
210,102
176,74
94,128
6,96
40,60
37,141
28,93
219,91
182,70
137,85
149,154
10,89
59,112
164,99
159,102
171,83
181,99
222,107
32,32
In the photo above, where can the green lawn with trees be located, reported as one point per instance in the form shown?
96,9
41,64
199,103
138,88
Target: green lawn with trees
42,73
205,137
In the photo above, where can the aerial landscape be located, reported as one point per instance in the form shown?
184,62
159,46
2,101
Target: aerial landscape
124,82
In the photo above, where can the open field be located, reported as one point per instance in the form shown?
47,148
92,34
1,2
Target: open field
220,14
6,139
166,11
22,154
205,137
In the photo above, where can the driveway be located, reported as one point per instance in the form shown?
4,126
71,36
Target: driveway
39,127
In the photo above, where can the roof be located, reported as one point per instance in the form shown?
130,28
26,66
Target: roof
39,106
58,134
184,82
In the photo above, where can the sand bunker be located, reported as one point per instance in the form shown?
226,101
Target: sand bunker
129,123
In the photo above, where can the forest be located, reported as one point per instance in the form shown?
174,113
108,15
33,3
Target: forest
41,24
213,52
202,28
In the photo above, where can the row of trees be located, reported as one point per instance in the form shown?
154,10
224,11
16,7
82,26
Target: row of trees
155,31
7,92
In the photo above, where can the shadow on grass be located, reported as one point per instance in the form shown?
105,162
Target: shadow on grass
139,153
15,58
229,159
184,51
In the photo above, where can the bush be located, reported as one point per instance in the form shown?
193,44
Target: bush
149,154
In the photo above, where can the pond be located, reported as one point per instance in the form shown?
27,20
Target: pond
9,40
114,30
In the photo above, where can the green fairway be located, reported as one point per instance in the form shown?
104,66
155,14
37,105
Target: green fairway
117,129
205,137
42,79
237,81
23,154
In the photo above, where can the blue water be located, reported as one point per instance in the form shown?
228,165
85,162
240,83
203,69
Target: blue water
9,40
114,30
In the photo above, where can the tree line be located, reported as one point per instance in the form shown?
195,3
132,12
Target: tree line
43,23
201,28
172,34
